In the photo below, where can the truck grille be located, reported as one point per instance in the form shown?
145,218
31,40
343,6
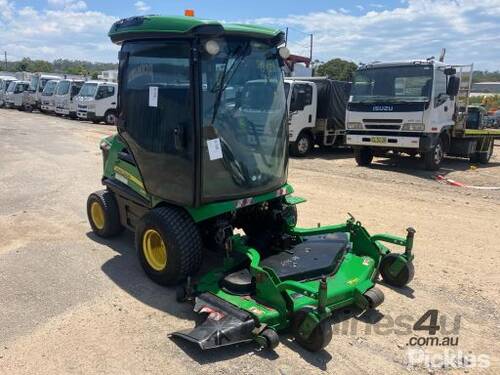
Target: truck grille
382,124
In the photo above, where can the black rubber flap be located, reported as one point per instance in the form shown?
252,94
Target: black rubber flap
224,324
316,256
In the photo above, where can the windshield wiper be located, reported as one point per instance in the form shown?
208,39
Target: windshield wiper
222,83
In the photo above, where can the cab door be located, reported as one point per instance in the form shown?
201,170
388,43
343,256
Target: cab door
302,107
156,116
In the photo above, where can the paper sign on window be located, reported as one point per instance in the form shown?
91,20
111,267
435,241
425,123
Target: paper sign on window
214,149
153,96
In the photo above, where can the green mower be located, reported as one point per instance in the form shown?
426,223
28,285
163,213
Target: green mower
201,151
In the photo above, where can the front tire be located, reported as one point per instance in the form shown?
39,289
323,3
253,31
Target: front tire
302,145
363,156
103,214
110,118
168,245
434,157
404,276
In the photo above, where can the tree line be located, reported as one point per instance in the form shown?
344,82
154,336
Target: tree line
338,69
61,66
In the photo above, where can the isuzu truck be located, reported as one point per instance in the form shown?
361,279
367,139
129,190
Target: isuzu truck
66,91
415,107
47,102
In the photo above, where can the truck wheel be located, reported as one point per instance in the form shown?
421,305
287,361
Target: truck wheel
168,245
484,157
110,117
103,214
363,156
434,157
302,145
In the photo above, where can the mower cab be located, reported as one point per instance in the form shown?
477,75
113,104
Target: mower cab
201,150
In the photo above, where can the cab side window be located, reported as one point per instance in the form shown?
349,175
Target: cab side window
105,92
439,88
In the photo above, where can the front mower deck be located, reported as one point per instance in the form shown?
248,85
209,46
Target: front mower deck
330,268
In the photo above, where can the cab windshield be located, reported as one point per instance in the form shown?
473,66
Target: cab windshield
244,111
11,87
63,88
392,84
49,88
88,90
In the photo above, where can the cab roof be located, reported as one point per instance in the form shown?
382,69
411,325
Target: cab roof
151,27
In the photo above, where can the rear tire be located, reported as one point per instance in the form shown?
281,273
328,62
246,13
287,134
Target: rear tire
434,157
103,214
302,145
363,156
170,230
484,157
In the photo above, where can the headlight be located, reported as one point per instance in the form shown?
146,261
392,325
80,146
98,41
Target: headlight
416,127
354,125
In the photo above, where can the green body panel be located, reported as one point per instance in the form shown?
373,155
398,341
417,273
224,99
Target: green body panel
181,25
114,168
275,300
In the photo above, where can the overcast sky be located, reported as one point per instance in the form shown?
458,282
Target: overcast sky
354,30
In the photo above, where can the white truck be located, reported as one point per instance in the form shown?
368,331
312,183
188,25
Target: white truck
415,107
316,112
33,96
47,101
66,91
14,94
97,102
4,84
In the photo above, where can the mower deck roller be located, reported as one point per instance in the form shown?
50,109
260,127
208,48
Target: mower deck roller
201,150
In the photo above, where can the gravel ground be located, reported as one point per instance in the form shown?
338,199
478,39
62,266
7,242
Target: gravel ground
71,303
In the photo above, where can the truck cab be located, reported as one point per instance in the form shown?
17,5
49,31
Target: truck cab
316,112
4,84
33,96
66,91
97,102
14,94
47,103
405,107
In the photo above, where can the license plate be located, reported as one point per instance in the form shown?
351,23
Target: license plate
378,139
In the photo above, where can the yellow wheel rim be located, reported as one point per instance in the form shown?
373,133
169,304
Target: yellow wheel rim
97,214
155,250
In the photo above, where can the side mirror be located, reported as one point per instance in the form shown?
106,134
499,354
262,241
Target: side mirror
453,86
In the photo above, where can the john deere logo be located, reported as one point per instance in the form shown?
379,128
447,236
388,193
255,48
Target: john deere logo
383,108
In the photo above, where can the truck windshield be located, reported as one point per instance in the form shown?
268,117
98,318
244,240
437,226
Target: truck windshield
398,84
244,109
63,88
49,88
43,82
88,90
11,87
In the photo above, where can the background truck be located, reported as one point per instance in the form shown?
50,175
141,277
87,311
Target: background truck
4,84
66,91
33,96
416,107
14,94
47,103
97,102
316,108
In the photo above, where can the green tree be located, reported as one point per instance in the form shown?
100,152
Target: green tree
336,69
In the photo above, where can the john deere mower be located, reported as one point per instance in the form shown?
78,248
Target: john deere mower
198,169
